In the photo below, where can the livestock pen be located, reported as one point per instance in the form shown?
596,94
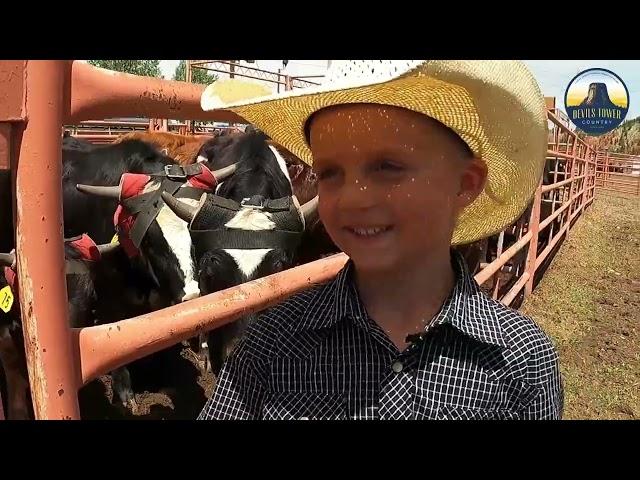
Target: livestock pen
618,173
42,96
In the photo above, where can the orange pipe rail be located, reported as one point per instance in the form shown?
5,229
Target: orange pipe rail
553,186
96,93
534,228
515,290
494,266
556,238
555,153
41,273
553,216
103,348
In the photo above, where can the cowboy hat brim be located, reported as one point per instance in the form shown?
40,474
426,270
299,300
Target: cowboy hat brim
496,107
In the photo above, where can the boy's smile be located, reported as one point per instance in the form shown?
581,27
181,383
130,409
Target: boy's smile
391,183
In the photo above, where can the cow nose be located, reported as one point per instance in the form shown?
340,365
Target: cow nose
191,291
255,200
190,296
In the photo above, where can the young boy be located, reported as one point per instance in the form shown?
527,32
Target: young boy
411,158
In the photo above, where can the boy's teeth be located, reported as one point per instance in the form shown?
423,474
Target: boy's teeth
368,231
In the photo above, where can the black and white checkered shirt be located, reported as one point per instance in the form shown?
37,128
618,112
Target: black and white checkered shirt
318,355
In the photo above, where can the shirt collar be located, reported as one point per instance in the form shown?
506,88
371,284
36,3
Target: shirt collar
467,308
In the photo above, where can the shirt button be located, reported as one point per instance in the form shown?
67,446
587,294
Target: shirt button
397,366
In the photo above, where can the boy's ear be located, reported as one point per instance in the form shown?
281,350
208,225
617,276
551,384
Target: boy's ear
472,181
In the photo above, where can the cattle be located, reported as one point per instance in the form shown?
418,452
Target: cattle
161,264
74,143
97,186
182,149
315,243
15,388
98,290
250,228
212,149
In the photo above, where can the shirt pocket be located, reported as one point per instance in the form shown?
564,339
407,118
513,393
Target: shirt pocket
452,412
426,411
305,406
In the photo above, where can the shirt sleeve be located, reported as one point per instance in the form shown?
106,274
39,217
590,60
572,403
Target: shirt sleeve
548,403
239,392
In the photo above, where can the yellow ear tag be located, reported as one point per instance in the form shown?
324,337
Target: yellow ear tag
115,239
6,299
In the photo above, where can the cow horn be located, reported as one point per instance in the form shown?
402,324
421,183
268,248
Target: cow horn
225,172
106,248
108,192
182,210
310,211
8,259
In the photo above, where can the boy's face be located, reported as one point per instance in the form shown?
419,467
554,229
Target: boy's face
391,183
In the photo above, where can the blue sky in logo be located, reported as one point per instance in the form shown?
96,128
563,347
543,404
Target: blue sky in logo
552,75
580,88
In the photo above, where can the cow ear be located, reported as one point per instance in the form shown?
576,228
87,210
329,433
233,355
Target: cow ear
309,212
294,171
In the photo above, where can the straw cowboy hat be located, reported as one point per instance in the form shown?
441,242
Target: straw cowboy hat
496,107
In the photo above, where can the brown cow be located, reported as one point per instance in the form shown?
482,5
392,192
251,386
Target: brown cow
182,148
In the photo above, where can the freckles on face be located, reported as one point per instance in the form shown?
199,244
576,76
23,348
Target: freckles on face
383,166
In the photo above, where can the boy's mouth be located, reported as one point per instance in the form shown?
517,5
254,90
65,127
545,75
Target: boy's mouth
368,232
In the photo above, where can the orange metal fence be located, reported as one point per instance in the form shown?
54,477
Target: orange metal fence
618,172
559,199
48,94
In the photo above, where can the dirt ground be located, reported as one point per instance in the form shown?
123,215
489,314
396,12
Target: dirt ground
589,303
174,389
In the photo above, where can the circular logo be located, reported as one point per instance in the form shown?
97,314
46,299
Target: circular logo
596,101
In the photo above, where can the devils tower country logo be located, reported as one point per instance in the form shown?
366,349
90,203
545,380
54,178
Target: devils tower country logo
597,101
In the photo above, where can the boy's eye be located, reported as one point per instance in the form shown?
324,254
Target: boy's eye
388,166
326,173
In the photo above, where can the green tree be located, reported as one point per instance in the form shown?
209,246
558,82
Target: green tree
198,75
146,68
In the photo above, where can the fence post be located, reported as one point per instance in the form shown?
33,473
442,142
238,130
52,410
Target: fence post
189,79
41,271
534,223
605,182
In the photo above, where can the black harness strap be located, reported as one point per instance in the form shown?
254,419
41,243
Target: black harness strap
147,206
268,205
227,238
179,172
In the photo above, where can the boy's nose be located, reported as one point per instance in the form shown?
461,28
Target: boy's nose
357,195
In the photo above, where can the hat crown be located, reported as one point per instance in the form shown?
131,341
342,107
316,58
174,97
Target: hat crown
358,71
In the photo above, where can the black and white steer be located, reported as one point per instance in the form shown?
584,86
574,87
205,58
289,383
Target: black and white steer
250,228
